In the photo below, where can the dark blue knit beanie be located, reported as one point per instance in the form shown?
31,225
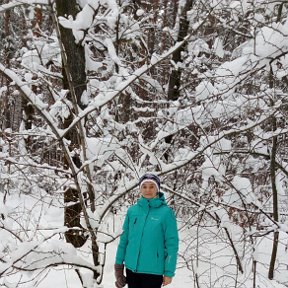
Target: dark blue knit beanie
150,177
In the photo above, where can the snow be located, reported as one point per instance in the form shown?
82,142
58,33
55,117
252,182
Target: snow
2,90
28,92
218,47
82,22
140,12
15,3
225,114
55,249
204,90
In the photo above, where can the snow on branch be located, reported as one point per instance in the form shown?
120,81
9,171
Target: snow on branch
35,165
168,168
16,3
103,99
35,255
32,98
182,162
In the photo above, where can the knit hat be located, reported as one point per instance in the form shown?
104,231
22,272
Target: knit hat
149,177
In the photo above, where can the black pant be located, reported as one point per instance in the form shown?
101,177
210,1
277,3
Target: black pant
141,280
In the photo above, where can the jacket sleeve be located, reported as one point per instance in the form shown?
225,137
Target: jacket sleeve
171,244
121,250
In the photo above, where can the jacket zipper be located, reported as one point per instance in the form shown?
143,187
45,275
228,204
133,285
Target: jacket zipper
142,236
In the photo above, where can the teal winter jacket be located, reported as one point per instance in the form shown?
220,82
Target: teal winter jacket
149,242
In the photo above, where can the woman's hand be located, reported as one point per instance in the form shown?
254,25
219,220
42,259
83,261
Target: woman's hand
119,274
166,280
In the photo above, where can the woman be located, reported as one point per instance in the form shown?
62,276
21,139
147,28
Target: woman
149,243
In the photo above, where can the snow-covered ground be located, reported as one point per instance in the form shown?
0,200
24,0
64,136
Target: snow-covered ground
32,220
36,218
67,278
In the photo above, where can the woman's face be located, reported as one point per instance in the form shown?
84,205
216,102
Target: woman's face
148,190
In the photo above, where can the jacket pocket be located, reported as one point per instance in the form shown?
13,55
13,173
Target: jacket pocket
133,230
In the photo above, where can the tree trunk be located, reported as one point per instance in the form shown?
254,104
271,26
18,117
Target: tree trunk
74,79
74,75
275,202
273,185
75,53
175,77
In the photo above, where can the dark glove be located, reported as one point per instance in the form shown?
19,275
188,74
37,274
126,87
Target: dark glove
119,275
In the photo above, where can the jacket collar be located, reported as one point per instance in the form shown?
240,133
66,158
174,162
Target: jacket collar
154,202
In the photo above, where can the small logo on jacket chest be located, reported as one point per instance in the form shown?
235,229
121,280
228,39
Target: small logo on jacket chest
154,218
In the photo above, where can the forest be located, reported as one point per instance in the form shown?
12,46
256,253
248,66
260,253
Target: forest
94,93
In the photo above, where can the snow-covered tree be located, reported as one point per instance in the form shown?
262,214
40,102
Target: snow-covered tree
94,93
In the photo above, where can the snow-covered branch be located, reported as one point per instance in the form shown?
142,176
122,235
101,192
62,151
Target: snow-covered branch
32,98
104,98
15,3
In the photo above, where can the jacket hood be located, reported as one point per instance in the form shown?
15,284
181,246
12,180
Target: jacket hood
154,202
